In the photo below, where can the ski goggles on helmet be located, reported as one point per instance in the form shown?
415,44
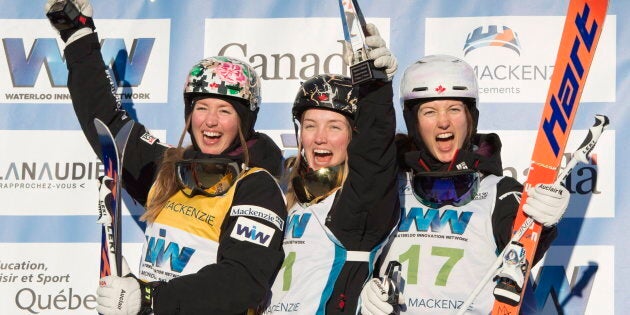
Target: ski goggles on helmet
311,186
439,189
208,177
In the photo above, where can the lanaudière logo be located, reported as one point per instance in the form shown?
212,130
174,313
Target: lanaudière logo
48,175
494,36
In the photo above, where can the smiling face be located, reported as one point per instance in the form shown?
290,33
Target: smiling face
214,125
324,136
443,127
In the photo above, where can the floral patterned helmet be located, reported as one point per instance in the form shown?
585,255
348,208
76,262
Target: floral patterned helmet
326,91
223,76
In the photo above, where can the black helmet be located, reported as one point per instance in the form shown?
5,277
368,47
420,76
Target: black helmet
326,91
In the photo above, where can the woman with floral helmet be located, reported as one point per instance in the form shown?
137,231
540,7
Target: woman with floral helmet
342,196
457,206
214,212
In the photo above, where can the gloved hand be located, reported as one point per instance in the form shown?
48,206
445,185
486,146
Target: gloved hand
546,203
124,295
81,23
378,52
374,299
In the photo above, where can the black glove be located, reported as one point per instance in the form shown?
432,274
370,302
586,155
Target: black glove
72,18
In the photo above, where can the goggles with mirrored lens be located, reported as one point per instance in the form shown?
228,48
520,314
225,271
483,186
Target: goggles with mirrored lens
439,189
311,186
208,177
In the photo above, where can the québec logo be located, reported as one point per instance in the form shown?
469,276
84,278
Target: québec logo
499,36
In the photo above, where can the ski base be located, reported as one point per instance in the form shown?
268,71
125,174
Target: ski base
580,35
112,152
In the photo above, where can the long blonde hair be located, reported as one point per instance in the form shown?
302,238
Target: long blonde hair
166,183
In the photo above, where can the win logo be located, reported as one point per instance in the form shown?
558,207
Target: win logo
158,253
251,231
431,219
127,66
504,37
297,225
553,293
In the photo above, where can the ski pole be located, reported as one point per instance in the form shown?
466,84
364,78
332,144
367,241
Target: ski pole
392,281
580,155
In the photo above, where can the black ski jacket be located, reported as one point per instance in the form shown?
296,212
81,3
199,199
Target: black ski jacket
244,271
367,208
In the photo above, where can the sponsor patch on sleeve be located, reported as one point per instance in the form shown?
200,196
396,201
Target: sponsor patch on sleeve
148,138
252,231
258,212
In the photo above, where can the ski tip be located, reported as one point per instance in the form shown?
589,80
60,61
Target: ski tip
603,118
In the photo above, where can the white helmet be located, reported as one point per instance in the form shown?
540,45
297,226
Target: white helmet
437,77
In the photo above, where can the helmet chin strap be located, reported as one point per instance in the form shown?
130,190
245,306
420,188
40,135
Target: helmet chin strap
241,137
297,136
187,130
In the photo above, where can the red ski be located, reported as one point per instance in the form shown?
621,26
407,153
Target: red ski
582,29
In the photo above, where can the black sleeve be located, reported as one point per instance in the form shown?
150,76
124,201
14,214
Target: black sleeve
367,206
508,198
93,96
244,272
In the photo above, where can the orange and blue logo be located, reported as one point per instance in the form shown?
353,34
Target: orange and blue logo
492,35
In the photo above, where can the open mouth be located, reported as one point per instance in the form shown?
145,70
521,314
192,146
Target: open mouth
448,136
322,156
211,137
445,141
211,134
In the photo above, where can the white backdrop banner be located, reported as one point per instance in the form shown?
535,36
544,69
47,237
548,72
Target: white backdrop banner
49,239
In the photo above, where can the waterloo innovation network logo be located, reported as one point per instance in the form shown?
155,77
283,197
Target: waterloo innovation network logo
492,35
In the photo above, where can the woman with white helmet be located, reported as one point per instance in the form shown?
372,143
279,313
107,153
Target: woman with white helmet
457,207
214,212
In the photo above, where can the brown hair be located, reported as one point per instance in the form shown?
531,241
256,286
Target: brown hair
470,127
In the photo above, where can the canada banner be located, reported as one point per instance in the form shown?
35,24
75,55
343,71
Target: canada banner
49,235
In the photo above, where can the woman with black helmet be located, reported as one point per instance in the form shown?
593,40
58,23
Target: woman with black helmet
215,215
342,197
457,207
